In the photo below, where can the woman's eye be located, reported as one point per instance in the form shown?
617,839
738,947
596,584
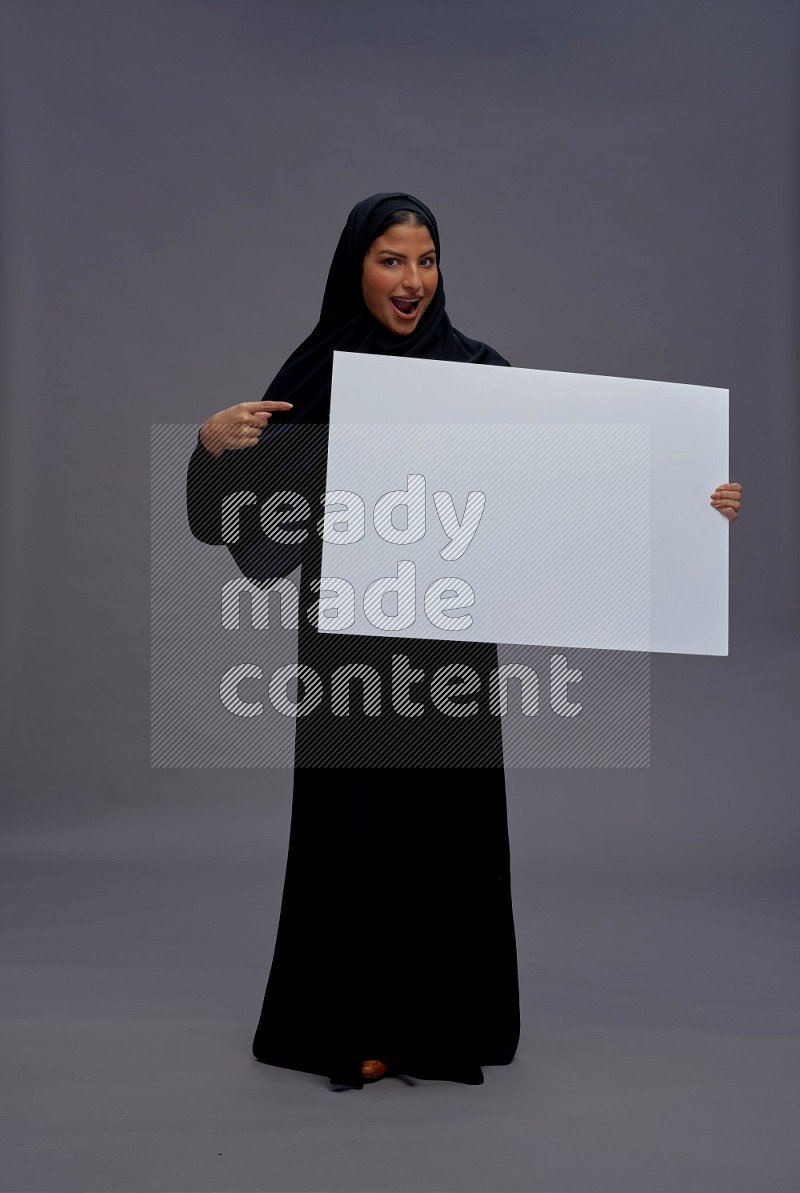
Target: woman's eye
387,260
430,260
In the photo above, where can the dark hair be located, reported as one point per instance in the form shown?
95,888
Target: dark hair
402,217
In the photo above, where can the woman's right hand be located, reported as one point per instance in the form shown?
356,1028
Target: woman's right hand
238,426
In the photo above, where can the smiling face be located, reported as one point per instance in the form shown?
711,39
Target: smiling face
399,277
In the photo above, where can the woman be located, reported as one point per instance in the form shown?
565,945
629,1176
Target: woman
396,949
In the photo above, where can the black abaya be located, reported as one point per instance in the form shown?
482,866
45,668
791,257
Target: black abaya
396,935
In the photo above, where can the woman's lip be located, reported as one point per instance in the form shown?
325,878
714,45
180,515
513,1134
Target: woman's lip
402,314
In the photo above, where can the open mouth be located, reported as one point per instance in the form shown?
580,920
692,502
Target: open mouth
407,307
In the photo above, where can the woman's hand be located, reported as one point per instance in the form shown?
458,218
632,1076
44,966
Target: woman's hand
727,499
238,426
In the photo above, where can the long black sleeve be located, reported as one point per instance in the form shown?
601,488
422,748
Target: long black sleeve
206,482
289,458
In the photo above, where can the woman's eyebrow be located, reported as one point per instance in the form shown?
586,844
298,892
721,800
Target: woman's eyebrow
392,253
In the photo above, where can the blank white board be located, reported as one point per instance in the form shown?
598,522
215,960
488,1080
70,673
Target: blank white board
527,506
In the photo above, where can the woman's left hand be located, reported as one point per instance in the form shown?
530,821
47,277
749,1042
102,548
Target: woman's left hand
727,499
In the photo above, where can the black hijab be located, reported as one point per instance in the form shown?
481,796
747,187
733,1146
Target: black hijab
346,324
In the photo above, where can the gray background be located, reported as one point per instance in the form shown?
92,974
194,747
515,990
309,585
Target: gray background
616,189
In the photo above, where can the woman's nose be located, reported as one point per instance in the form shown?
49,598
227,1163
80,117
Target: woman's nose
411,278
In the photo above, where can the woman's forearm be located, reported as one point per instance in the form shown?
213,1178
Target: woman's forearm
232,499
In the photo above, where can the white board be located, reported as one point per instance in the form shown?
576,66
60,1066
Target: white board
589,524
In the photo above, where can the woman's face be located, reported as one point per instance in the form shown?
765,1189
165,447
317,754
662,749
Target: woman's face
400,276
